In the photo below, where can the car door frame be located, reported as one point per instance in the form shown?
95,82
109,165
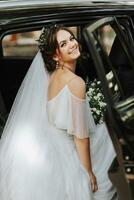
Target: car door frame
113,127
88,33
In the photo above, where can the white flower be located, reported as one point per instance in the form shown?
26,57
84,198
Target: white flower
102,104
98,112
101,121
99,95
94,109
92,84
91,90
96,101
95,97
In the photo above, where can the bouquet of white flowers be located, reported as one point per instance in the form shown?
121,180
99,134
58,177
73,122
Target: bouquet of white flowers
96,100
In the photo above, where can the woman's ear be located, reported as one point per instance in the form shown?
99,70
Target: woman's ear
55,57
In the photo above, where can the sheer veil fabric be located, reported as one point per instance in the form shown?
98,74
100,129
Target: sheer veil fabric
25,125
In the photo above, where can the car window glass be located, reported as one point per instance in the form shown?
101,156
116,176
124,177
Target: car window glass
116,64
20,44
23,44
107,35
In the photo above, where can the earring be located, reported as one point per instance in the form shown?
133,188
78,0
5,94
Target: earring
57,64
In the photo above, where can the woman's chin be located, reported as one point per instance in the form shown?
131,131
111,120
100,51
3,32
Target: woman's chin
78,55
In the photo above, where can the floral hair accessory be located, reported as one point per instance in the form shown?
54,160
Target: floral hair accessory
42,41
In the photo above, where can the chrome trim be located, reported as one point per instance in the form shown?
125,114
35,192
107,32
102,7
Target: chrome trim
16,4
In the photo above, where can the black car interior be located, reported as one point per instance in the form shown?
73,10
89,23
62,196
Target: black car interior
12,72
123,69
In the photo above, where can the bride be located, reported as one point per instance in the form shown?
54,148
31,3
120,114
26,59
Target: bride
51,148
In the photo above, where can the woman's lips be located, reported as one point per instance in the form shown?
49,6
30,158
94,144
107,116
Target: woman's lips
74,51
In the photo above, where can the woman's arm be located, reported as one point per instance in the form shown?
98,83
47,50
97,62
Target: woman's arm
83,149
82,146
78,88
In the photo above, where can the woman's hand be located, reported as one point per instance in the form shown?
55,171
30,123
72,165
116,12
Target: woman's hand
83,149
93,182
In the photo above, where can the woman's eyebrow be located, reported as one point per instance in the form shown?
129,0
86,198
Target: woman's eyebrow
62,41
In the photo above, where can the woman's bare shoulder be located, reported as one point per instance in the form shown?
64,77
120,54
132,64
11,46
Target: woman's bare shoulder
75,83
78,87
59,79
63,77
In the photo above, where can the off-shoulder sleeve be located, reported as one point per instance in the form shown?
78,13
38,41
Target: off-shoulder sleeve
72,114
79,121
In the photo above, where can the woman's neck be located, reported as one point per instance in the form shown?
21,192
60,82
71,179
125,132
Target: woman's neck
70,66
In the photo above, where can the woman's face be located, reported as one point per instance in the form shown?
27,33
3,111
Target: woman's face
68,47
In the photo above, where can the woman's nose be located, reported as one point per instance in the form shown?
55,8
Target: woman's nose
72,44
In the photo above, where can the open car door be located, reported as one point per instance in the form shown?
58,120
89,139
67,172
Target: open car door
114,63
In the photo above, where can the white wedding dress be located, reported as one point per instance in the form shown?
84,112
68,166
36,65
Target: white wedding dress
70,115
39,163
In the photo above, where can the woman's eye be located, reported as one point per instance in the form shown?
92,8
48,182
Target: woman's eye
72,38
63,44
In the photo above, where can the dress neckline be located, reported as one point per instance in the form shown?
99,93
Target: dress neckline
60,92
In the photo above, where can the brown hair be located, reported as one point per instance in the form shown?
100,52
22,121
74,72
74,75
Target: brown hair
48,45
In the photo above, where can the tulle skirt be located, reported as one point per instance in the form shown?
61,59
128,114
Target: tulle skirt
48,168
102,154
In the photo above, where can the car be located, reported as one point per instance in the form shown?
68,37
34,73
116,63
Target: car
105,30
